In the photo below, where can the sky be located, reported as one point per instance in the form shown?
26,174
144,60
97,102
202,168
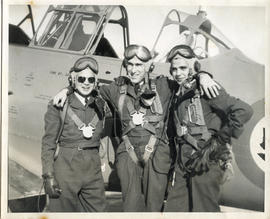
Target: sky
244,26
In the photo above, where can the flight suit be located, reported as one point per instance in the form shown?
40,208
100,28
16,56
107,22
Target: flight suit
143,185
77,167
200,193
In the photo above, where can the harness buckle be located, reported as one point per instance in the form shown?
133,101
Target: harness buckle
81,127
130,147
149,148
123,89
182,130
79,148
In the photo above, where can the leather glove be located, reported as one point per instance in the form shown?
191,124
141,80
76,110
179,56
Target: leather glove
200,160
222,153
224,135
51,186
121,80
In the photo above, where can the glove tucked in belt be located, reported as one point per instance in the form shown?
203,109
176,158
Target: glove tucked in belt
223,150
201,159
215,149
51,186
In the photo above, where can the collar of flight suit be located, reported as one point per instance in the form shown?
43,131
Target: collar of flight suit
188,94
74,102
131,91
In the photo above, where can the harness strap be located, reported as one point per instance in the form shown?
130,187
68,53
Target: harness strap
192,131
77,120
63,114
195,130
122,97
130,149
154,118
149,127
156,107
200,130
131,108
149,148
195,111
94,121
129,127
177,124
194,121
192,141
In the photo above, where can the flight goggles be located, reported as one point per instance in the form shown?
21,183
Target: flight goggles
82,79
183,50
141,52
83,63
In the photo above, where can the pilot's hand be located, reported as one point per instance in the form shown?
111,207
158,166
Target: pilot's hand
228,172
121,80
208,86
51,186
222,153
60,98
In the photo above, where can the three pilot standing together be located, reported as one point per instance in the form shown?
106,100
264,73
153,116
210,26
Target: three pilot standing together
148,108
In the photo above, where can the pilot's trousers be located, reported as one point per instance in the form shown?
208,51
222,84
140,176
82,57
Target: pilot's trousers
196,194
143,189
78,173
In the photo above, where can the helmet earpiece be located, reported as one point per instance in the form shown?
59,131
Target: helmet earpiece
71,78
151,68
197,66
124,63
190,74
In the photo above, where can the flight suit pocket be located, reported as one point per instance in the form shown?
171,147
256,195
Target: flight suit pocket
161,159
64,158
96,159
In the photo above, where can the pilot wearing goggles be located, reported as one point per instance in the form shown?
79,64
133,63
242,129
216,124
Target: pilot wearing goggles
142,103
73,178
204,128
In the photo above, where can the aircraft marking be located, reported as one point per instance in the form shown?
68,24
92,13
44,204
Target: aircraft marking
13,112
29,79
257,144
248,146
43,97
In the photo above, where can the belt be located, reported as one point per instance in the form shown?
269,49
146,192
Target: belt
80,148
86,148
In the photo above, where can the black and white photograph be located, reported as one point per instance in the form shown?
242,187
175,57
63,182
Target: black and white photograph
116,107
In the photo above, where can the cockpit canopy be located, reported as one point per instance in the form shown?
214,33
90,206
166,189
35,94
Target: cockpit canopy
193,30
81,29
